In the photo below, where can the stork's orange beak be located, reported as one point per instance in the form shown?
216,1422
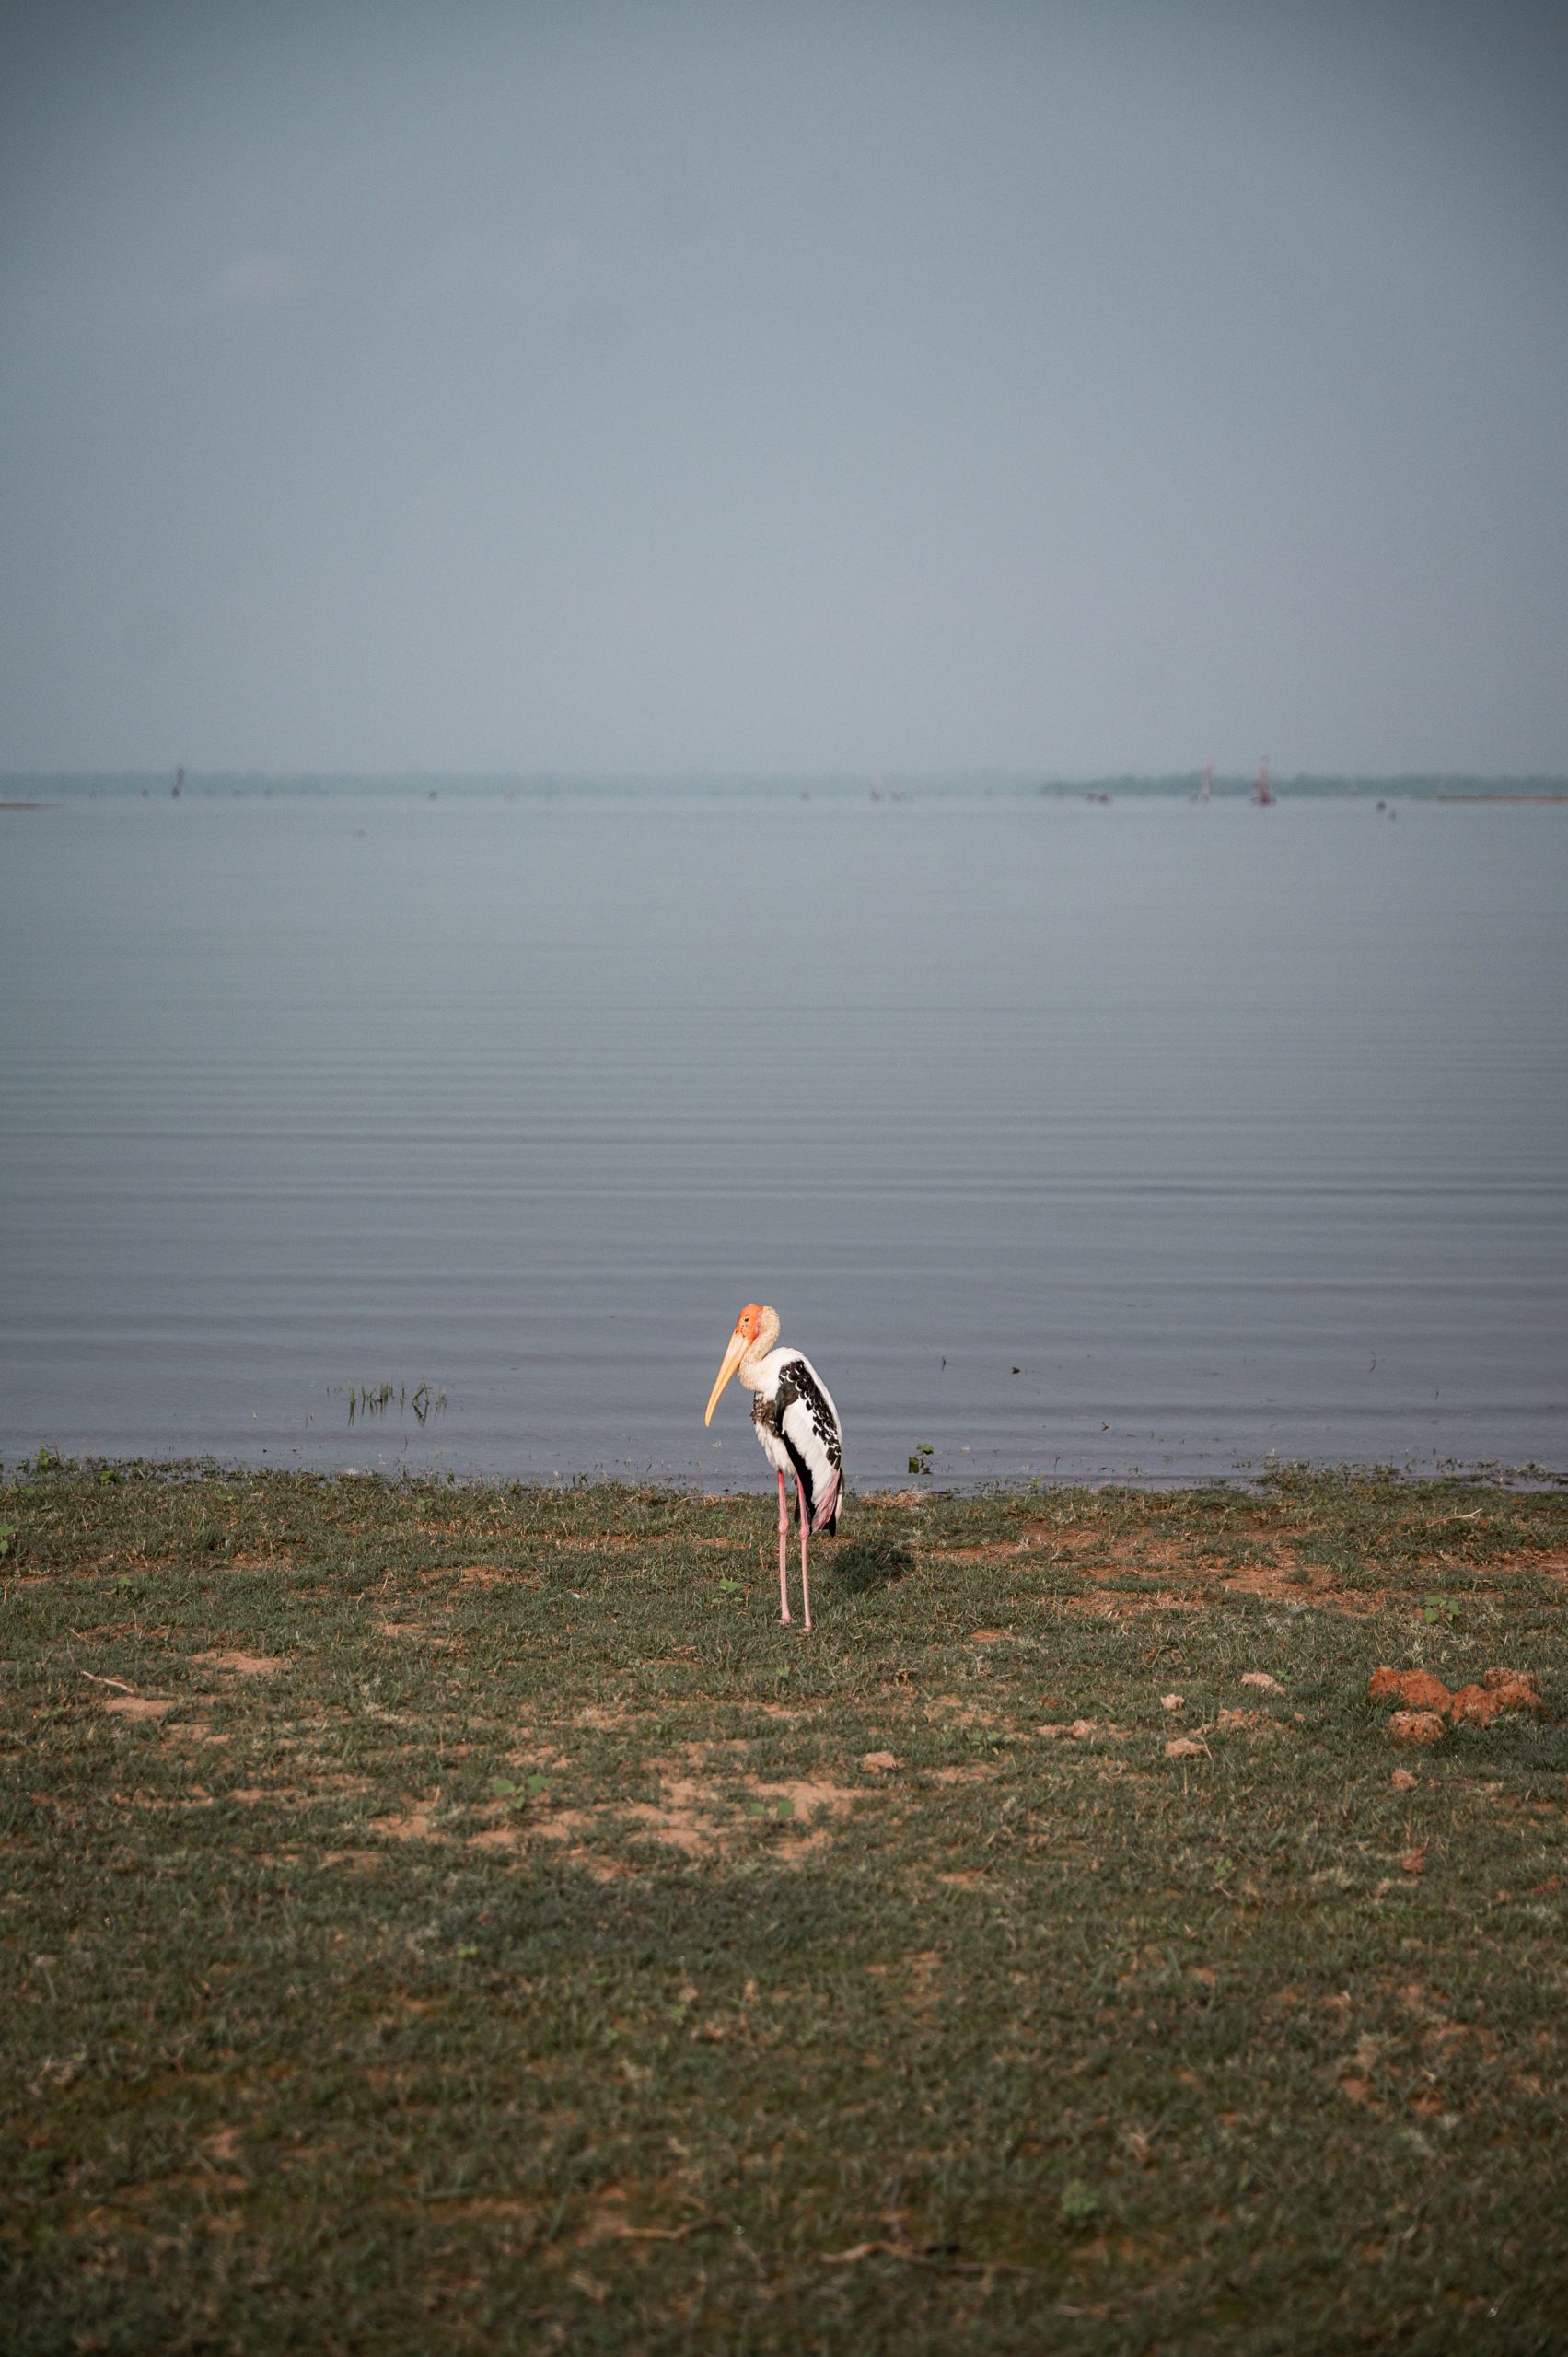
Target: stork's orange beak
740,1341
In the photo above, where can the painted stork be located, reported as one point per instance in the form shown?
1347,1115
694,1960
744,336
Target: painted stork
798,1427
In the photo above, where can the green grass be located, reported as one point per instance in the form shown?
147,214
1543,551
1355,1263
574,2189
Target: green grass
543,1949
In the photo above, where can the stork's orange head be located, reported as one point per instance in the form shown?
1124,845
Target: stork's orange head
748,1328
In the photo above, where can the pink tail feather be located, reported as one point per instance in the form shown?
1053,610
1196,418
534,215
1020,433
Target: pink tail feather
828,1503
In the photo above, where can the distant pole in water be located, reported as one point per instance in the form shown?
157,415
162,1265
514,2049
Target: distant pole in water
179,782
1208,780
1261,791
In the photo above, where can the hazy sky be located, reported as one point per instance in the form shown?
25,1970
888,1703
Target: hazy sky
762,386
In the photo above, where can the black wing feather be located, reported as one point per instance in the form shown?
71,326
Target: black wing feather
797,1382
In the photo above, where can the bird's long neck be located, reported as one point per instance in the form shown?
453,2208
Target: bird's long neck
750,1371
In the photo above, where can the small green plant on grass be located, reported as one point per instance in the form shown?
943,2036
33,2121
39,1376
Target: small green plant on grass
519,1794
1079,2203
8,1539
1440,1611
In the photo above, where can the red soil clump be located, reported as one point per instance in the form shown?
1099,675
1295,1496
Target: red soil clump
1417,1690
1523,1689
1499,1689
1415,1726
1426,1702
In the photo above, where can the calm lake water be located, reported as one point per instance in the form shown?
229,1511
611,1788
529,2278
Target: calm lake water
1069,1140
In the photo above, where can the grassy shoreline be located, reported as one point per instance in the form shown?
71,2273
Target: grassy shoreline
458,1917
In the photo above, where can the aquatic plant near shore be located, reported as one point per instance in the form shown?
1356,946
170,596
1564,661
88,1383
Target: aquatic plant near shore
366,1401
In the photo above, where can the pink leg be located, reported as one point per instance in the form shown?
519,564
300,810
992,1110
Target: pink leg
805,1534
783,1551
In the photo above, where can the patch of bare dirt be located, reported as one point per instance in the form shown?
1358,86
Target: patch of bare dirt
537,1758
197,1797
1211,1579
956,1712
1033,1539
1177,1579
413,1825
692,1813
1056,1534
914,1979
498,1837
494,2209
483,1575
814,1802
138,1706
599,1867
1112,1604
207,2180
681,1820
1276,1582
609,1542
307,1786
239,1665
607,2219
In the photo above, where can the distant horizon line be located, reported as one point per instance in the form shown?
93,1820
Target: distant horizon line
1428,784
